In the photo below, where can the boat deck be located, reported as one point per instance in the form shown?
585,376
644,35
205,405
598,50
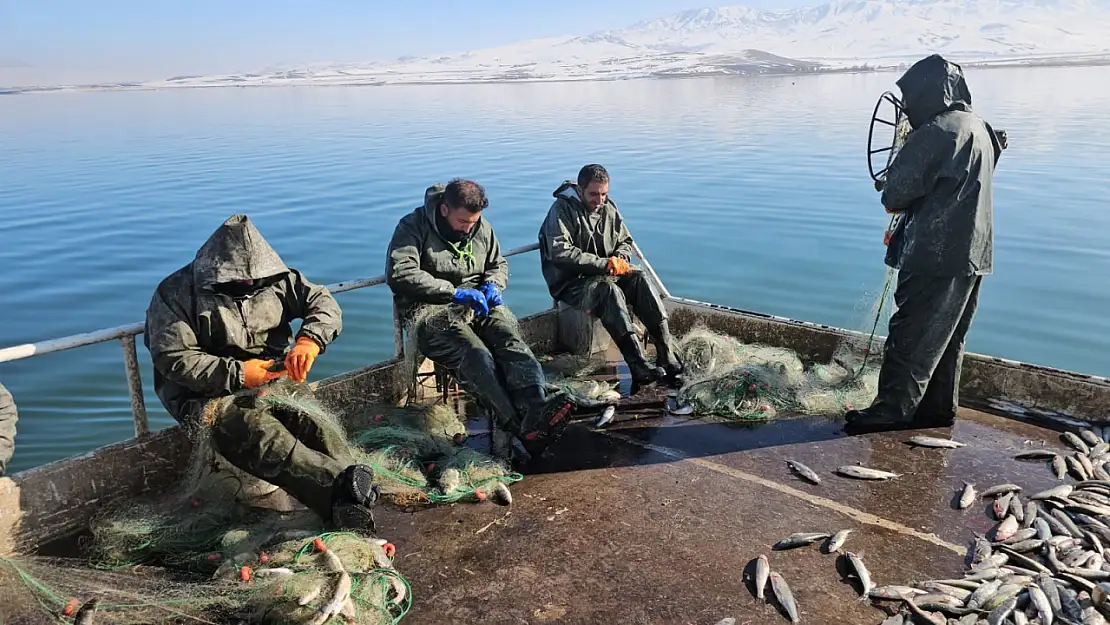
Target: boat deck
655,519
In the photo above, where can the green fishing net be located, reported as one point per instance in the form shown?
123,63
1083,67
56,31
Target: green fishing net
226,547
748,382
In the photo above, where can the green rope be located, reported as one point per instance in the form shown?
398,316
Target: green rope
878,315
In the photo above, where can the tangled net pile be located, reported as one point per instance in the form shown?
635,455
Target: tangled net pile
202,554
745,382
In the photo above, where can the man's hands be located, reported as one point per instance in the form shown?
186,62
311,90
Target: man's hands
618,266
255,373
492,293
472,299
299,359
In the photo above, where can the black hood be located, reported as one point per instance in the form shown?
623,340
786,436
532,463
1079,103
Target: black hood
932,86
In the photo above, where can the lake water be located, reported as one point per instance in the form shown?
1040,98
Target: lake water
748,192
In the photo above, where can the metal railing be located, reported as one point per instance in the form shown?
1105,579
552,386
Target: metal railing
126,336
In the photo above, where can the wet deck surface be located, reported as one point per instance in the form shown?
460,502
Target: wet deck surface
654,520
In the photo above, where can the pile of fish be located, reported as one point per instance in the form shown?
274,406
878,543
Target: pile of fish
1045,562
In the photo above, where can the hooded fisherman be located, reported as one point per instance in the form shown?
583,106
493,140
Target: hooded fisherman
585,254
940,181
8,418
220,327
445,253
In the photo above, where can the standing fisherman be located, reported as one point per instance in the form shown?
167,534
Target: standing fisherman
941,181
8,417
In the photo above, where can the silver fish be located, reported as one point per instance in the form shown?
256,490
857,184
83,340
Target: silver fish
862,574
1017,509
1076,468
1006,528
1040,602
1001,506
894,593
804,471
1002,612
1088,468
932,441
86,613
967,497
785,596
1059,492
762,571
959,593
1020,535
984,592
1001,489
864,473
1073,441
800,539
1059,467
1090,437
837,541
1030,514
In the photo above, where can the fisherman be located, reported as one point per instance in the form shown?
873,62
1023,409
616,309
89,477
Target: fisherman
8,417
215,329
447,275
940,181
585,254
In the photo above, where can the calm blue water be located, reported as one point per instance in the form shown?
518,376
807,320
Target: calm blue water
749,192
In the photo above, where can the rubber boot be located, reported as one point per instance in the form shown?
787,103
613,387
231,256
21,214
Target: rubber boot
545,418
643,374
353,495
666,357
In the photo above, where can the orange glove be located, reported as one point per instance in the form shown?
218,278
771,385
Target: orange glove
299,359
255,373
618,266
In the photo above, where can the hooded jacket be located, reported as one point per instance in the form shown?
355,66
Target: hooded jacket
8,417
424,267
576,242
198,337
942,177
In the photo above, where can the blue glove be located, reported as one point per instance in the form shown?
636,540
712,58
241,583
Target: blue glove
492,293
472,299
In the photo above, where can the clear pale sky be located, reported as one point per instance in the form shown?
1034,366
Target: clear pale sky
72,41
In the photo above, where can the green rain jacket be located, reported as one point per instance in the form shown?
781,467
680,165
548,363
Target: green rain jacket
574,242
198,337
423,267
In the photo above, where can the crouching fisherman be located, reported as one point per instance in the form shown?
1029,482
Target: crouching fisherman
585,254
218,330
942,247
447,275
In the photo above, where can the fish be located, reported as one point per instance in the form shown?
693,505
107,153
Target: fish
1002,506
837,541
894,593
1076,468
1059,492
1026,546
804,471
762,571
984,592
1001,489
1020,535
785,596
1005,592
1006,528
1030,514
897,619
959,593
967,497
799,539
1073,441
1059,467
1017,509
930,617
1040,601
1088,468
1037,454
1090,437
1002,611
862,574
932,441
606,416
864,473
86,613
980,550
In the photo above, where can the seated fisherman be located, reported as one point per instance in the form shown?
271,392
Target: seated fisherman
585,249
445,253
8,417
215,328
942,247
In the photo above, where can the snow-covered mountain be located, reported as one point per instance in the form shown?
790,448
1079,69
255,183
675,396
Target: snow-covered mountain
737,40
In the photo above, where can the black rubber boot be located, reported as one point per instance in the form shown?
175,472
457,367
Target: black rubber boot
544,422
870,420
666,357
353,495
643,374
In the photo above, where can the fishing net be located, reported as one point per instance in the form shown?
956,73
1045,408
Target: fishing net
749,382
224,546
